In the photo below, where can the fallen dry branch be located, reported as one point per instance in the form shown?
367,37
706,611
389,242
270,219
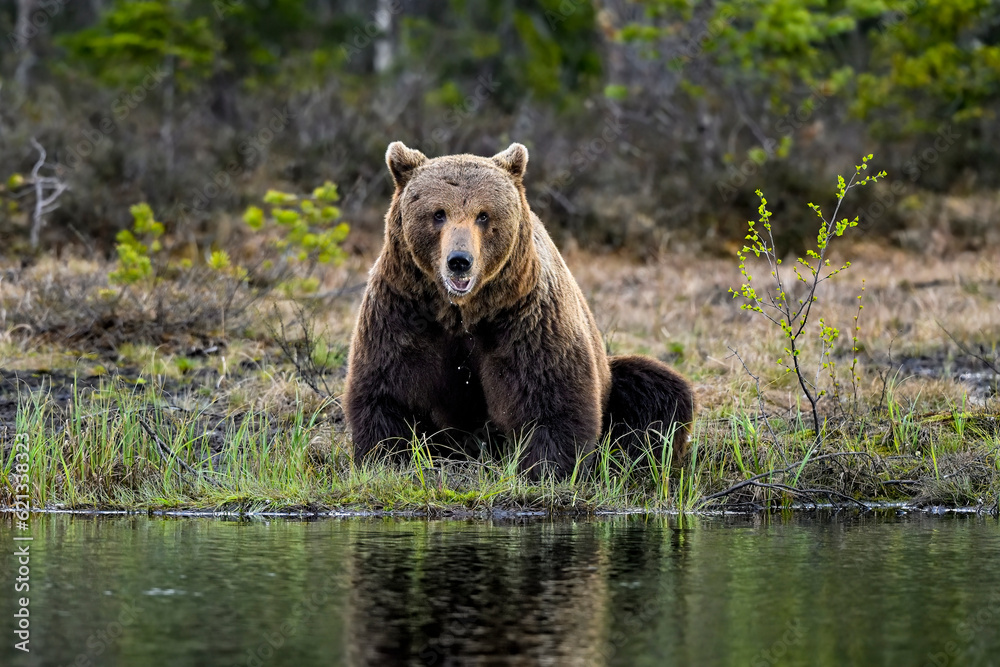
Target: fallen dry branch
989,363
755,480
807,494
168,455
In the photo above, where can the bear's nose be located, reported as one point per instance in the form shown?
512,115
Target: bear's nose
459,262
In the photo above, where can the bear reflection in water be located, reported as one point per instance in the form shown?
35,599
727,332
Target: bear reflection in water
471,317
441,593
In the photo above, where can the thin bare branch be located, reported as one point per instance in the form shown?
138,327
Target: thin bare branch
48,189
168,455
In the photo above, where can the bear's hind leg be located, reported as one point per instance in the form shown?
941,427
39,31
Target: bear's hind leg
649,402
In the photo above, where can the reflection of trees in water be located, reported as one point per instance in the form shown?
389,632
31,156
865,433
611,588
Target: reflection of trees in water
660,591
800,588
426,593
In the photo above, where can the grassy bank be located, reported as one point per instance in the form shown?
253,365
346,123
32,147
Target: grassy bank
130,446
244,415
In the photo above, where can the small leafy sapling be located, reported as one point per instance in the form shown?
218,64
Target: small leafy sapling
142,263
307,231
141,253
137,247
791,315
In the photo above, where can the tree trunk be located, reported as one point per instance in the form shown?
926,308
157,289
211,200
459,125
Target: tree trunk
167,127
24,30
383,45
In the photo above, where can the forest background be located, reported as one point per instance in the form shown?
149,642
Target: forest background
649,124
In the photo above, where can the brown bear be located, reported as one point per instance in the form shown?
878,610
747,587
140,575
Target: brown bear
471,317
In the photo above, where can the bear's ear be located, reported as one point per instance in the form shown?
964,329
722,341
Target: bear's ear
402,161
513,160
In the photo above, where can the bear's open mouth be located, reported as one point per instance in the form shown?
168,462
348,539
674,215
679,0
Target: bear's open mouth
458,285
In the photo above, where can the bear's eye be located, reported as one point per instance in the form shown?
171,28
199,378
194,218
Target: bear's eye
439,216
483,218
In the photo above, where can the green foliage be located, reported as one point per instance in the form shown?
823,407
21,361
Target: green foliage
134,40
8,199
616,92
452,71
325,356
140,253
791,315
775,44
137,247
912,64
931,62
545,50
306,229
254,37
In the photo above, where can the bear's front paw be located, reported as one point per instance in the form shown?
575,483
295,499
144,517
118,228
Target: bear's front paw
546,456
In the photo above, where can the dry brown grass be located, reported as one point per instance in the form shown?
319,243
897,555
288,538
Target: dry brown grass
904,435
676,308
679,309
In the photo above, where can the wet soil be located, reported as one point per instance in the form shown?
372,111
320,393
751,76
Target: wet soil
978,376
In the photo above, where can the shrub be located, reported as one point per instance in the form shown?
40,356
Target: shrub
787,313
304,230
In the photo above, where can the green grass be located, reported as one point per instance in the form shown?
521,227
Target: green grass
128,446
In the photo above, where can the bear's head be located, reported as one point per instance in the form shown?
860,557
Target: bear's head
461,215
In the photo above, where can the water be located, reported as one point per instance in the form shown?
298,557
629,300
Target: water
799,590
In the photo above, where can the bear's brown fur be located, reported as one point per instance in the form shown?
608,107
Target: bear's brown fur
471,316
